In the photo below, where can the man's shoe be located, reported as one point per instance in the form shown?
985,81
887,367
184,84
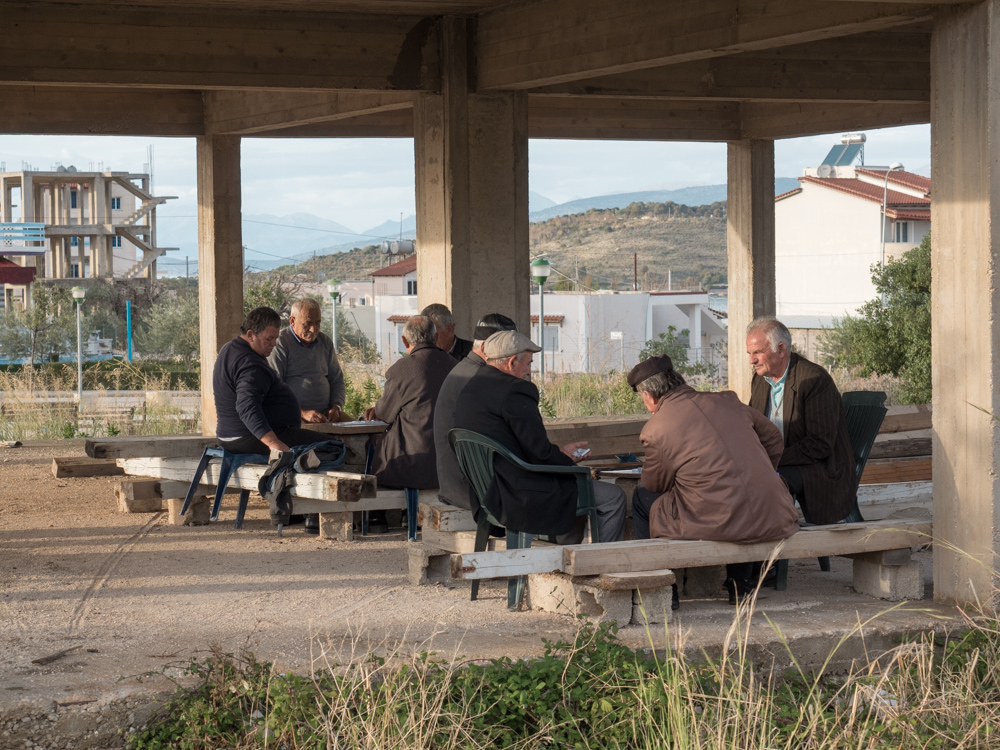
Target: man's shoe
738,589
675,600
377,523
311,523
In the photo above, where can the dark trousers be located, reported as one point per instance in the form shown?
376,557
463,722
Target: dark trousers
642,502
289,436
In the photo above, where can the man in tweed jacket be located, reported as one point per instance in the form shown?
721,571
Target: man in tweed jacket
801,399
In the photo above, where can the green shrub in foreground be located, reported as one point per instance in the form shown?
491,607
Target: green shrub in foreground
593,693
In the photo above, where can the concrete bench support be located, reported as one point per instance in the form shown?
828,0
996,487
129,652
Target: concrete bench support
639,599
890,575
198,513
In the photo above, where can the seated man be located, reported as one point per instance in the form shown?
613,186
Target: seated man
454,487
446,338
802,401
256,411
710,468
404,453
305,359
498,401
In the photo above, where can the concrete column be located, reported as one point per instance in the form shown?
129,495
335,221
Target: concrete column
750,240
220,257
471,153
965,300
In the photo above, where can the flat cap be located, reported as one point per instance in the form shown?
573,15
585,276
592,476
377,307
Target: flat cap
647,368
508,343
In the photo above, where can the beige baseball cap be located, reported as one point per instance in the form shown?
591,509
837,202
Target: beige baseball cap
505,344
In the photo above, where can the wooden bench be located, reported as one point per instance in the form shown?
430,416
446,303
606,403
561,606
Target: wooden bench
880,550
334,495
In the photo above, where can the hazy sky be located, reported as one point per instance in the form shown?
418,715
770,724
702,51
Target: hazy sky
362,182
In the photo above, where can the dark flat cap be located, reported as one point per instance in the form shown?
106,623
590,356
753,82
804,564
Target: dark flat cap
649,367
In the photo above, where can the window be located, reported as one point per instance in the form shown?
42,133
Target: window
902,231
74,241
399,339
74,271
551,337
362,301
116,204
116,241
411,286
72,199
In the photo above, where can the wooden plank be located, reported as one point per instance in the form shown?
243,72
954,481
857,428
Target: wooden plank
437,515
897,493
657,554
905,418
907,447
457,541
163,446
333,486
553,41
907,470
645,579
63,468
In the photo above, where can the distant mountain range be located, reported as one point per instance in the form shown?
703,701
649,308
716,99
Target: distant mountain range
273,241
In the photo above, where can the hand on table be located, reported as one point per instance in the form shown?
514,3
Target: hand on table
370,414
311,416
569,448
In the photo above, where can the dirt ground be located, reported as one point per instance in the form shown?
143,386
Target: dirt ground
135,597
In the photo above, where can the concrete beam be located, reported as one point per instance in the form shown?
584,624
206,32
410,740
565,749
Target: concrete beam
220,257
965,301
112,45
554,41
256,112
885,66
52,110
750,240
393,124
471,153
772,120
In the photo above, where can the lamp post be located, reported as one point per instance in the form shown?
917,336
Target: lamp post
333,287
885,198
540,269
78,294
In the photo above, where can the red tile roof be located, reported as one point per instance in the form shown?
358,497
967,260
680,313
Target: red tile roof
867,191
403,267
12,273
549,318
788,194
909,214
901,177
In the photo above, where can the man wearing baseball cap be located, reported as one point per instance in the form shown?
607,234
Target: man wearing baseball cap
500,402
710,470
454,487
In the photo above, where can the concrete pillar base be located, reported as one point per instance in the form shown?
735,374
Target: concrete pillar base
197,515
651,606
892,582
556,592
338,526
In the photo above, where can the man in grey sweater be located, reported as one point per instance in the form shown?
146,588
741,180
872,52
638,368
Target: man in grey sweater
306,360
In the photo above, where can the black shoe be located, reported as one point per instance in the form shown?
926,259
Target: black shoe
377,523
738,589
311,523
675,600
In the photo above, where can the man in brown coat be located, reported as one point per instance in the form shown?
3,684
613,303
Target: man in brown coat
802,401
404,454
710,468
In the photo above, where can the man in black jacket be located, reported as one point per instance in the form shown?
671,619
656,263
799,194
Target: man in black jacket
454,487
256,412
499,402
801,399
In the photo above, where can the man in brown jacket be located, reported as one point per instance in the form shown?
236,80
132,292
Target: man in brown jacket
404,453
801,399
710,468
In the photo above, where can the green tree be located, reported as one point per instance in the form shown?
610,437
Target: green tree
48,326
893,338
171,329
675,346
274,290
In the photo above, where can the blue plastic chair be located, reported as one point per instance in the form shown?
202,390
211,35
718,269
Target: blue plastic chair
230,463
412,498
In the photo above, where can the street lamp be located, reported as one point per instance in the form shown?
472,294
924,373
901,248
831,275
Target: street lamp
885,197
540,270
333,287
78,294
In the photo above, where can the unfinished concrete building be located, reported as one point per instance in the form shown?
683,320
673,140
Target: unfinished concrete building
96,224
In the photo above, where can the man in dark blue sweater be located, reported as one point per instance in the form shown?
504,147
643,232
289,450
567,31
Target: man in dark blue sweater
256,412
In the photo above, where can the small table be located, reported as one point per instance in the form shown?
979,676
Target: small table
355,436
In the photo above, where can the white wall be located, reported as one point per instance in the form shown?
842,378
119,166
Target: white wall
386,333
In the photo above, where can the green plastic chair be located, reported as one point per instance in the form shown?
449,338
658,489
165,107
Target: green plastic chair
865,412
476,456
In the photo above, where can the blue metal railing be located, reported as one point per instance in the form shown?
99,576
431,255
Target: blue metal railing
18,235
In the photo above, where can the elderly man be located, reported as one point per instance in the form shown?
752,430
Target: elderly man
305,359
405,453
802,401
500,402
710,468
257,412
454,487
446,338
